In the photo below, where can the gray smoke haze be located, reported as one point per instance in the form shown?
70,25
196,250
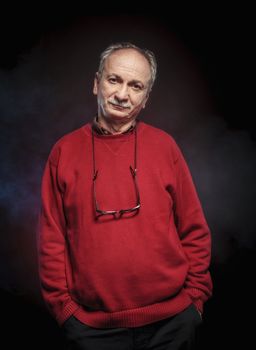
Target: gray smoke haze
223,163
49,93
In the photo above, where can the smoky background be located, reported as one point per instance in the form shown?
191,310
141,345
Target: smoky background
201,97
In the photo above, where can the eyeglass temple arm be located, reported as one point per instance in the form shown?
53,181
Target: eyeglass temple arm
134,173
101,212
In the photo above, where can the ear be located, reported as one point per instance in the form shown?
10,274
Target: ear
95,84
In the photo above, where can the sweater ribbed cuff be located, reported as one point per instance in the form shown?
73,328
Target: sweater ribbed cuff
199,305
67,311
196,297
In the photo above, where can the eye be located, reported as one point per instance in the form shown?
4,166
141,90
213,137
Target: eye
112,80
137,87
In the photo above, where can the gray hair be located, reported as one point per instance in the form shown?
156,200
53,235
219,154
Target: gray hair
150,57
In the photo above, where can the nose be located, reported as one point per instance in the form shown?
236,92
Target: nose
122,93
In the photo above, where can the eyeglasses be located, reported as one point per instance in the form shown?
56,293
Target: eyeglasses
117,214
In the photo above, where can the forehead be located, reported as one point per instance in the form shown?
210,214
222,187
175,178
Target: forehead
128,62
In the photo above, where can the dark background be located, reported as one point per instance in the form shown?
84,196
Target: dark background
202,97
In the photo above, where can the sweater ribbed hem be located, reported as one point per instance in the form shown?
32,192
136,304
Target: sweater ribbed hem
134,317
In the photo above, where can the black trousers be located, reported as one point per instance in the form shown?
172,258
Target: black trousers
173,333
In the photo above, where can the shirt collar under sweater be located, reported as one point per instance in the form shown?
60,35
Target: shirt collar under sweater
101,130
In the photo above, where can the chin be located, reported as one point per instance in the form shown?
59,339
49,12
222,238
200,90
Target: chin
118,115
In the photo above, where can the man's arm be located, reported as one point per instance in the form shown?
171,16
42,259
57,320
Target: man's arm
194,235
52,247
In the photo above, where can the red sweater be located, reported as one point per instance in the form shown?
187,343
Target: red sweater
123,272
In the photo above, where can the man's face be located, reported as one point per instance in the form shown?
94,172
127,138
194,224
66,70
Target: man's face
122,90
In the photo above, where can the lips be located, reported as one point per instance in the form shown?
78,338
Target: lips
119,107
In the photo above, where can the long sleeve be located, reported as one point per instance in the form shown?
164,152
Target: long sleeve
194,234
51,246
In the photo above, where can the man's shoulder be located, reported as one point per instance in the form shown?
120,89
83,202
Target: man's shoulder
68,142
73,136
156,132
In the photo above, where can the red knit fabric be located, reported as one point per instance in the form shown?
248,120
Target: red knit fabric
121,272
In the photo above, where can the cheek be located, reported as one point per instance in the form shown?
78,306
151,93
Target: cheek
137,101
106,91
102,96
105,95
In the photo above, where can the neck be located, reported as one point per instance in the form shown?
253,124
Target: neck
115,127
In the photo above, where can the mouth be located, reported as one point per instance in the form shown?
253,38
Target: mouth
119,107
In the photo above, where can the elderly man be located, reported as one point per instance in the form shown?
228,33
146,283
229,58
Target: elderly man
124,247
